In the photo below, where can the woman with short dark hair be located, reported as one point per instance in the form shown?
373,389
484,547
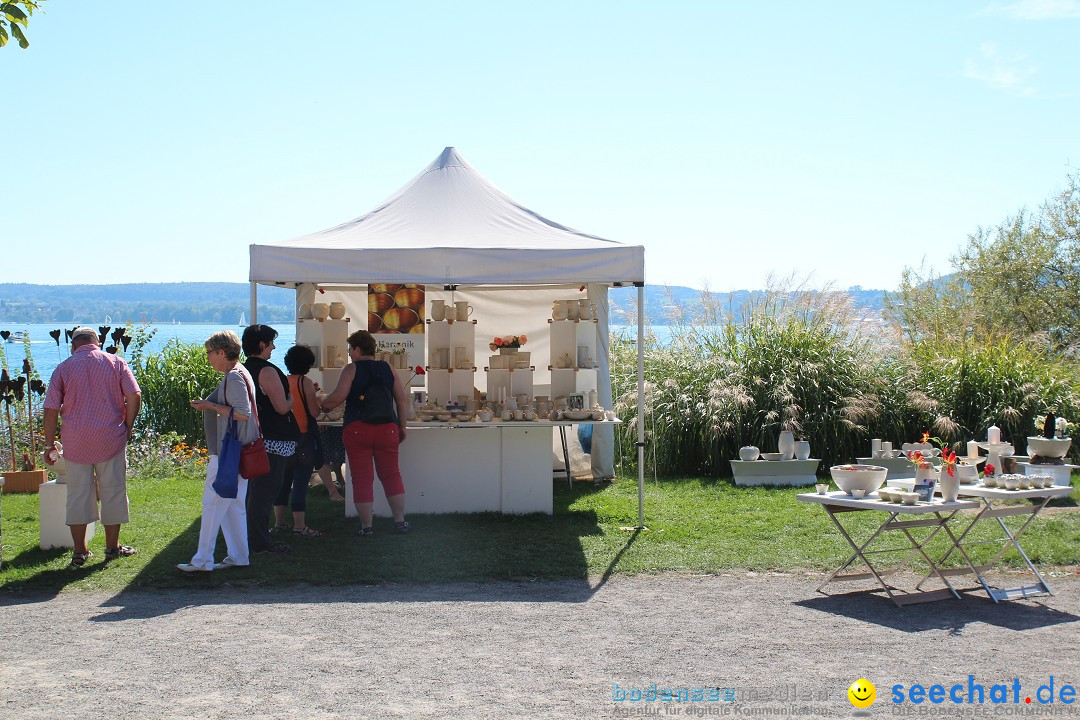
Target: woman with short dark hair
374,427
279,431
305,406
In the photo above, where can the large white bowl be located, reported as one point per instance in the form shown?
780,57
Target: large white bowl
867,477
1049,447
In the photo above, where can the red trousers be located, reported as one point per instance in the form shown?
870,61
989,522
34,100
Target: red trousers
364,444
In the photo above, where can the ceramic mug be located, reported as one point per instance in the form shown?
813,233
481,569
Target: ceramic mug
438,310
463,310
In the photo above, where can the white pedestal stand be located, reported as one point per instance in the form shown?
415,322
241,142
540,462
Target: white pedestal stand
52,514
1062,474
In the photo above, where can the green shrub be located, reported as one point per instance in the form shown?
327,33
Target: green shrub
169,381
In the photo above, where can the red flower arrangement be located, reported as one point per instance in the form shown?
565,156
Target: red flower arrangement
510,341
948,457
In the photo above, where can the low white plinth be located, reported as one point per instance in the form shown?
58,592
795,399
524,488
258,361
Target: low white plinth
1062,474
775,472
471,467
52,514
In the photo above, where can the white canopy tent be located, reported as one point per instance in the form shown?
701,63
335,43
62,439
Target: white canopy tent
452,230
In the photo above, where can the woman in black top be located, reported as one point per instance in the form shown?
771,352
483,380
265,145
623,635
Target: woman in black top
279,431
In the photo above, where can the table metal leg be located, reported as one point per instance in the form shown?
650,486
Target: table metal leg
1010,540
566,456
861,553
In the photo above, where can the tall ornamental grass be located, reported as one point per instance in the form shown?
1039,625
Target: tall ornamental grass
960,387
808,363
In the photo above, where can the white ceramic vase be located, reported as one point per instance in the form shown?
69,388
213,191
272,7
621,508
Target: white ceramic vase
948,485
785,445
802,449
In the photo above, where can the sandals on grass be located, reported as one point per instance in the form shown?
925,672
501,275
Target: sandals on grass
283,527
78,559
307,532
119,552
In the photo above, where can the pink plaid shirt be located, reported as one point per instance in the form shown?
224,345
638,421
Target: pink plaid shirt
88,389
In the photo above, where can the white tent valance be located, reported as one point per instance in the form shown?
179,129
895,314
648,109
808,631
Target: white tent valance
449,225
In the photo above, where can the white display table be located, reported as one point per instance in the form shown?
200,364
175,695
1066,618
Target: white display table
474,467
775,472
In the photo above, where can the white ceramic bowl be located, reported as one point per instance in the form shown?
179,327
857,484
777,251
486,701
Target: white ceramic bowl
772,457
867,477
909,498
320,311
749,453
990,481
884,495
1049,447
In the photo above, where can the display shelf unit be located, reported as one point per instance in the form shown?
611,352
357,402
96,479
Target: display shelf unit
320,335
458,339
509,381
570,339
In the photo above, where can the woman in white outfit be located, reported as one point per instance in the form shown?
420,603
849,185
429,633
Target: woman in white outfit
227,514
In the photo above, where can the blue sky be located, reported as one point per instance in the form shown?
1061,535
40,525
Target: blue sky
838,141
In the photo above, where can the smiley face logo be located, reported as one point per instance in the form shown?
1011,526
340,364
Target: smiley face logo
862,693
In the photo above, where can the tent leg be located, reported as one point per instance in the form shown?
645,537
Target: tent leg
254,304
641,406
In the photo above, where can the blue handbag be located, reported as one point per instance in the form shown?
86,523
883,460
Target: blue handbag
226,483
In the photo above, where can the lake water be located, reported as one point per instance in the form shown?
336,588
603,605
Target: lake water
47,355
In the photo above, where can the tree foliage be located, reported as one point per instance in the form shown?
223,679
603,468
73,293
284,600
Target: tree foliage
14,16
1021,278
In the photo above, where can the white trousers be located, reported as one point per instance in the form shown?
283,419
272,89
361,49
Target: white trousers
226,514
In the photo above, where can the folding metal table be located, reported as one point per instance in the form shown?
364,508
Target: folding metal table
901,519
1039,498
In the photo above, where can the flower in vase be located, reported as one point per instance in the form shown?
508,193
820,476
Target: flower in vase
510,341
948,457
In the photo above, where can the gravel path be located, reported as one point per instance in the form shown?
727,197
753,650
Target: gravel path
517,649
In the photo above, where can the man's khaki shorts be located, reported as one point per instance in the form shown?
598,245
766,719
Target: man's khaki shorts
104,481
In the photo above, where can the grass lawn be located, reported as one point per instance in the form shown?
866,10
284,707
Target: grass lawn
694,525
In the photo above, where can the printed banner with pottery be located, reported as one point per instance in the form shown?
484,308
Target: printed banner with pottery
396,319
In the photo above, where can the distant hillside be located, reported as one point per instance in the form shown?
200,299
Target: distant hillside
665,303
223,302
161,302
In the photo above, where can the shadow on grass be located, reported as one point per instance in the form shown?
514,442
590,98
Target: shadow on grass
447,557
949,615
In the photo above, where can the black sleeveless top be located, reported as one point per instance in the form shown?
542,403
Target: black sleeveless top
370,372
274,425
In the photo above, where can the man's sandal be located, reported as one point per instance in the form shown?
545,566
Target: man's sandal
78,559
119,552
307,532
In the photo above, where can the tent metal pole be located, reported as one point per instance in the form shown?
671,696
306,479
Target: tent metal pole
641,406
254,303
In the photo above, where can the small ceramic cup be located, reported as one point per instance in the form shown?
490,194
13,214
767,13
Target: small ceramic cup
910,498
822,488
989,481
884,495
1011,483
858,493
1048,481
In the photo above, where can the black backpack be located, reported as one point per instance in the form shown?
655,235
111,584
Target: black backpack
376,399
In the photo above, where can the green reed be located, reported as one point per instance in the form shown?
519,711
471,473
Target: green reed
807,362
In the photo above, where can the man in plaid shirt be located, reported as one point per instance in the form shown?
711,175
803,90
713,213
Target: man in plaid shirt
98,398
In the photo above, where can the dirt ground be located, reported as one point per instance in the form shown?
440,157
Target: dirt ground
544,649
